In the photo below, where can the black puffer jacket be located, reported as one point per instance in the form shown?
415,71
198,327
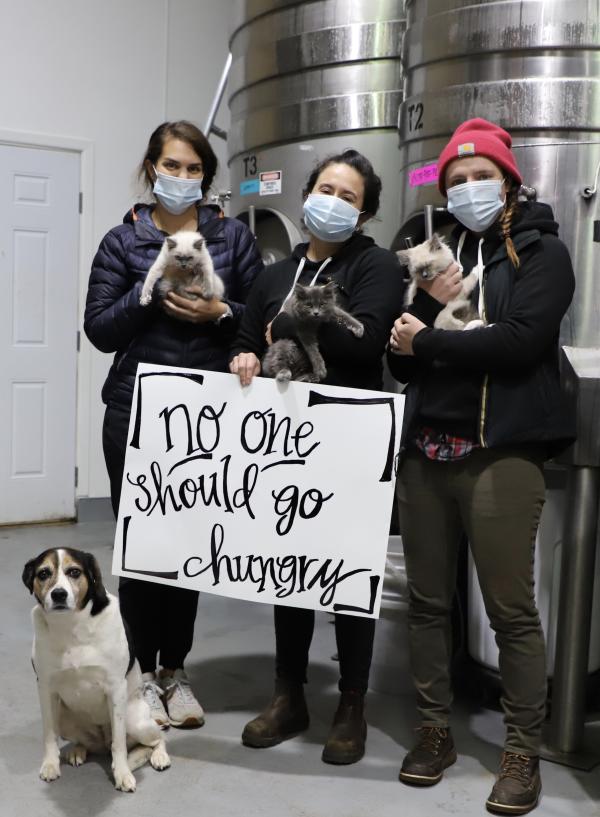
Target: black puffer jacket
497,385
369,286
115,321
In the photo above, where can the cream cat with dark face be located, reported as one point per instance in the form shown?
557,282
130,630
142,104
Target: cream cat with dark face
429,259
182,262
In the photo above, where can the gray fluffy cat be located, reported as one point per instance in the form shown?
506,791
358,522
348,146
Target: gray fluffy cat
427,260
310,307
183,261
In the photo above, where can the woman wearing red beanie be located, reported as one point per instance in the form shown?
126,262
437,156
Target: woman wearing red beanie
484,410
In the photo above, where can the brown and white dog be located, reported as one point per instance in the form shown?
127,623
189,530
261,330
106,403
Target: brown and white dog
89,681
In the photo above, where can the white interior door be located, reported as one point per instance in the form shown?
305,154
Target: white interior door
39,236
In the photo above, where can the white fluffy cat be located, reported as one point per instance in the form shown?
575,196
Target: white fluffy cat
427,260
183,261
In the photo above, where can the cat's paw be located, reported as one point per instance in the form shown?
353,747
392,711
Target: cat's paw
358,331
283,376
145,298
473,324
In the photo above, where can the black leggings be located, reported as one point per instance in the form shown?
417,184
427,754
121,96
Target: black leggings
354,637
160,618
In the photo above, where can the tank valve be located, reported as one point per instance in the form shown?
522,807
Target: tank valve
590,192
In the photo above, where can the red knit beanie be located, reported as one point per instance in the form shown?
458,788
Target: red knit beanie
478,137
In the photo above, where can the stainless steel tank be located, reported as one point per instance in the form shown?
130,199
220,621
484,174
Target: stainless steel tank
532,66
309,79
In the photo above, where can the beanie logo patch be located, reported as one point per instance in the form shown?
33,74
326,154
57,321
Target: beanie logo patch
466,149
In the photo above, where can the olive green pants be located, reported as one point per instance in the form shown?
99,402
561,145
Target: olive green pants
496,498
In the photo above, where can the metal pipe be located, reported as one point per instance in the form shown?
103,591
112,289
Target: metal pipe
208,128
575,609
428,215
252,219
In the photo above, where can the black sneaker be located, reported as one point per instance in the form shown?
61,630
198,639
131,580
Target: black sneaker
424,765
518,787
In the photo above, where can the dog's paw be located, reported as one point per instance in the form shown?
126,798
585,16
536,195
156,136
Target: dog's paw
76,755
50,770
124,781
159,759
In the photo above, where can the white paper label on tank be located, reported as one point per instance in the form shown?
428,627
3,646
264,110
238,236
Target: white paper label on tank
270,182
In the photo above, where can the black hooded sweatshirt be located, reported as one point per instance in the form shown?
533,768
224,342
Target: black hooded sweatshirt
498,384
370,287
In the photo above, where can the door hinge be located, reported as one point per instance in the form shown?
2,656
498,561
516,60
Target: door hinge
76,476
78,340
81,202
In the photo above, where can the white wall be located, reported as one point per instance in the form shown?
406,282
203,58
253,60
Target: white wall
101,75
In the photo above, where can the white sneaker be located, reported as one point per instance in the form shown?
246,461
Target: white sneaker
153,695
182,706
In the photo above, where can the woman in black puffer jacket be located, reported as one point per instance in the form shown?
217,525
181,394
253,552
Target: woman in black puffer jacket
179,165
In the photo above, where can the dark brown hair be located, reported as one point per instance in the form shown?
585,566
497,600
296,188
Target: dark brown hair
362,165
187,132
505,221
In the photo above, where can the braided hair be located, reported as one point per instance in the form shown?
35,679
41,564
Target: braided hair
511,207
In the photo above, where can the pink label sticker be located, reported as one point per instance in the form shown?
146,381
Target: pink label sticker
428,174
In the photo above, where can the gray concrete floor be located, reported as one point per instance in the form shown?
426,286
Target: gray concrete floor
212,773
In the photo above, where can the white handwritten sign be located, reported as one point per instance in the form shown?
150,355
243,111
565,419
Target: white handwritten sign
279,494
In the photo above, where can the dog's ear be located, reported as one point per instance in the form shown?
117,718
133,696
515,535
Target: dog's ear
171,244
435,242
29,573
198,244
96,590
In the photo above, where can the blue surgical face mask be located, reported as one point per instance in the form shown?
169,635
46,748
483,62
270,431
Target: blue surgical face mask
329,217
176,194
476,204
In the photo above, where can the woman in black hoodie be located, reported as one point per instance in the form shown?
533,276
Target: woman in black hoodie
341,194
484,410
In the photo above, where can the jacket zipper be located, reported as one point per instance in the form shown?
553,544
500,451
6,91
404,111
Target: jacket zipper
484,389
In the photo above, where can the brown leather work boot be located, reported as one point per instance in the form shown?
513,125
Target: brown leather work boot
518,786
424,765
283,718
346,740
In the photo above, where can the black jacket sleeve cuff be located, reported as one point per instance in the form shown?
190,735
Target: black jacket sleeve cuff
425,307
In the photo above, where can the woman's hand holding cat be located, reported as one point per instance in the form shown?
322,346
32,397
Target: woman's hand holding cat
403,332
246,365
197,310
446,286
